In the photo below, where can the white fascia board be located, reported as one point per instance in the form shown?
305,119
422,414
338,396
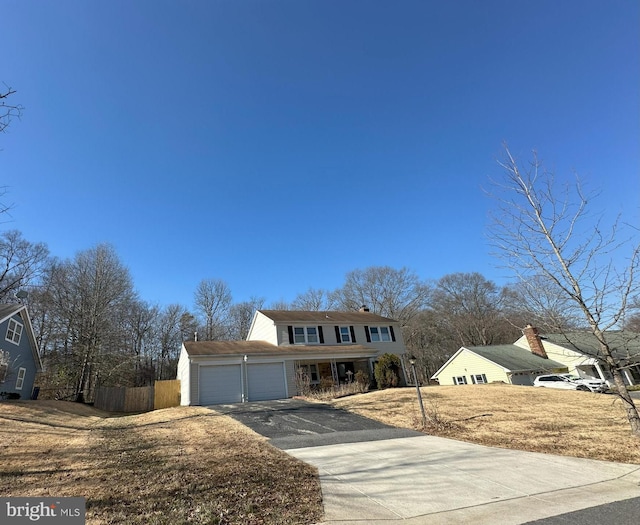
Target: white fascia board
434,376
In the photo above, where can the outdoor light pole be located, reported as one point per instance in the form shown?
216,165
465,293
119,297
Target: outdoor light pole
412,360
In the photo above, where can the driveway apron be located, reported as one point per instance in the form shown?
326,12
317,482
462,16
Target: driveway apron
374,474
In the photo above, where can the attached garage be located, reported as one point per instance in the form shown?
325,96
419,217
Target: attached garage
225,372
220,384
266,381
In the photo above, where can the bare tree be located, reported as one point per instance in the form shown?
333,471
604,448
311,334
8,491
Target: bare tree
8,110
471,308
172,325
83,304
280,304
241,315
315,300
542,230
398,294
21,263
212,302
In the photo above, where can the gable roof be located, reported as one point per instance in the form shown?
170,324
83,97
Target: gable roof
514,358
220,348
300,316
9,310
624,345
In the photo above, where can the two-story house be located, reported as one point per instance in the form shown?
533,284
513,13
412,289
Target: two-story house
325,346
19,356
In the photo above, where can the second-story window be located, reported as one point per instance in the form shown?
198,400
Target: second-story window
345,334
379,333
305,334
14,331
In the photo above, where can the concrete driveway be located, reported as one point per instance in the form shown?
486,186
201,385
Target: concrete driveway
417,479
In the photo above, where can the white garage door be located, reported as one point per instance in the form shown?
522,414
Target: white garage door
220,384
266,381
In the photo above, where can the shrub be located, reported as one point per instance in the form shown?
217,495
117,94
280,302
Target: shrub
362,381
387,371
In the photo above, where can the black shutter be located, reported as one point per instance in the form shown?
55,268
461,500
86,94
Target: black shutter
366,332
321,335
353,334
290,328
393,335
338,338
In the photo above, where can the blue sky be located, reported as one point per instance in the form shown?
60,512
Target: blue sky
280,144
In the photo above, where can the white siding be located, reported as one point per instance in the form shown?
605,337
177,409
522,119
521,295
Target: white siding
263,329
390,347
466,364
570,358
184,377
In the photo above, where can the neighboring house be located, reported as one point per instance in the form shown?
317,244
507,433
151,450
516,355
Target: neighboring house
533,355
19,356
326,346
579,351
516,364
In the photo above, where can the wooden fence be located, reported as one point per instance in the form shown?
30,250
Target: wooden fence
163,394
167,394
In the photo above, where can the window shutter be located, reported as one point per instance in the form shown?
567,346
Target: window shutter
393,335
338,338
353,334
366,332
290,328
321,335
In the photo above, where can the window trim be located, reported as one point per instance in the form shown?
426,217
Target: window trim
483,379
22,372
15,329
305,335
377,331
343,335
307,369
457,382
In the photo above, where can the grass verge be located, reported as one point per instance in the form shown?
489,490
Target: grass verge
570,423
173,466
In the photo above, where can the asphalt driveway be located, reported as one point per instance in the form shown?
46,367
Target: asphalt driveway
293,423
375,474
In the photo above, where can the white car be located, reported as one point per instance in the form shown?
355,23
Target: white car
570,382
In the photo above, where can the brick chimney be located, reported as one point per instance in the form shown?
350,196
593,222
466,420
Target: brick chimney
535,343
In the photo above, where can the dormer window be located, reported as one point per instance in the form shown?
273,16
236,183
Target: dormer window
14,331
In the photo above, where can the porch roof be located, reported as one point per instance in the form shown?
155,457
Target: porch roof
225,348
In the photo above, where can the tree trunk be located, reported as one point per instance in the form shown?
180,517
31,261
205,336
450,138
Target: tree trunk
627,401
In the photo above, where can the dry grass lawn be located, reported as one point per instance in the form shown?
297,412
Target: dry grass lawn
173,466
579,424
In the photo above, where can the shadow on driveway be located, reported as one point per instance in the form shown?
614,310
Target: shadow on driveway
293,423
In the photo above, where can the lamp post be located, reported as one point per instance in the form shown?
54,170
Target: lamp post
412,361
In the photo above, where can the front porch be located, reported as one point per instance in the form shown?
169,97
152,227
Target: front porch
323,374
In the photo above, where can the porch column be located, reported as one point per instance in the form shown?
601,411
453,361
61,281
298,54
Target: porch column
600,372
334,372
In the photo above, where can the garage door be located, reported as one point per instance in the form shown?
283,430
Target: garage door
220,384
266,381
522,379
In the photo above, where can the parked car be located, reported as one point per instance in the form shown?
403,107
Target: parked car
571,382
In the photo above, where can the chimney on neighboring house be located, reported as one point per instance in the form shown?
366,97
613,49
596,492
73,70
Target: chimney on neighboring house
364,308
535,343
